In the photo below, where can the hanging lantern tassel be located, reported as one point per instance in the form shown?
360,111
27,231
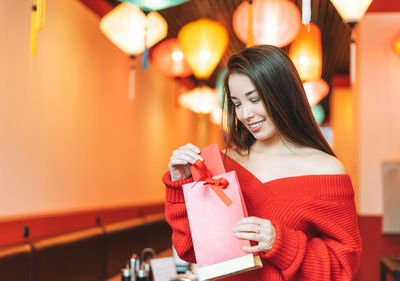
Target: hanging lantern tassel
145,56
40,14
306,12
250,28
132,78
33,30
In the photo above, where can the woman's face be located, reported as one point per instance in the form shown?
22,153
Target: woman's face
249,107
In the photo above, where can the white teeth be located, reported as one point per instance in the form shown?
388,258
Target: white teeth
256,125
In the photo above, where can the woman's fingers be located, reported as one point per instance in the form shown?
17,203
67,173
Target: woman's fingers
192,147
180,160
249,227
258,230
253,236
189,156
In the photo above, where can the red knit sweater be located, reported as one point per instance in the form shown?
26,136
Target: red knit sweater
317,235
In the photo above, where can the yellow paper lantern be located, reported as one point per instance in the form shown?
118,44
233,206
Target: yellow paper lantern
129,28
200,100
351,11
396,43
203,42
306,52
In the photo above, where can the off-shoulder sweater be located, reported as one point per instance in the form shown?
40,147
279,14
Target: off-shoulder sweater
317,236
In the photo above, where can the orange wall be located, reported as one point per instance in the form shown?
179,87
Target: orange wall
377,104
70,138
342,124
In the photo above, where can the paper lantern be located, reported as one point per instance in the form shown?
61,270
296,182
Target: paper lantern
396,43
275,22
128,27
200,100
351,11
306,52
315,90
170,60
155,5
319,113
219,116
203,42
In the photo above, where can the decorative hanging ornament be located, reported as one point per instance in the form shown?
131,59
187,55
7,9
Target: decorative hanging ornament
250,26
219,117
274,22
155,5
351,11
306,52
200,100
315,90
170,60
37,22
203,42
319,113
396,43
131,30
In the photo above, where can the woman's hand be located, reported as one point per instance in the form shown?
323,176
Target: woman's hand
256,229
179,164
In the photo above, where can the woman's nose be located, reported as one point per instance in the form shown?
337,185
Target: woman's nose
247,112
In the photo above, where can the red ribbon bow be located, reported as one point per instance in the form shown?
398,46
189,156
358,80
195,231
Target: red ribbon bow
216,184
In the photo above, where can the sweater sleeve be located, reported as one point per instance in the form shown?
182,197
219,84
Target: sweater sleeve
329,250
176,216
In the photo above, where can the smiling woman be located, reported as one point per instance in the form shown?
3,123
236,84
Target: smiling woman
302,219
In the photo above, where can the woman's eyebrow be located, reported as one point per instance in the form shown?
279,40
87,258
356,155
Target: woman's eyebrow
246,94
249,93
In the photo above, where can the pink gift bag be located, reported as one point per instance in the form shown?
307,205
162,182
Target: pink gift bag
214,204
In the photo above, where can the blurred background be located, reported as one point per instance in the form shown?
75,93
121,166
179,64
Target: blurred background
88,124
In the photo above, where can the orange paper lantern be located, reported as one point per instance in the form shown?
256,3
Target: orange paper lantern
306,52
203,42
315,90
396,43
275,22
170,60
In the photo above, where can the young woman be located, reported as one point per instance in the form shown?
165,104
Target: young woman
302,218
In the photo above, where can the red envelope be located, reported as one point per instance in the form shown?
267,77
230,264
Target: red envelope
218,252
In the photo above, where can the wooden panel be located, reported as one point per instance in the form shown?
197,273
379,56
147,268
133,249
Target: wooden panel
11,229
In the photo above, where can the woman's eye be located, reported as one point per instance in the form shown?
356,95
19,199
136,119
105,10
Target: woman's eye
255,100
236,104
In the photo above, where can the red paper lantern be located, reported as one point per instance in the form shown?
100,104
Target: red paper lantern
169,59
275,22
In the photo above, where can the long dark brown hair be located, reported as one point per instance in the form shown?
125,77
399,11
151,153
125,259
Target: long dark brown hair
279,86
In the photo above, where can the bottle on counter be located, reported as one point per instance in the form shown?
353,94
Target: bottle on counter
142,275
134,266
126,273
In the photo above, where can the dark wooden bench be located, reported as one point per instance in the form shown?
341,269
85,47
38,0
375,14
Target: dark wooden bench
92,254
76,256
16,263
127,237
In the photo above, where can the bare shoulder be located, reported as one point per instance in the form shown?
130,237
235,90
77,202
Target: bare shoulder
325,163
